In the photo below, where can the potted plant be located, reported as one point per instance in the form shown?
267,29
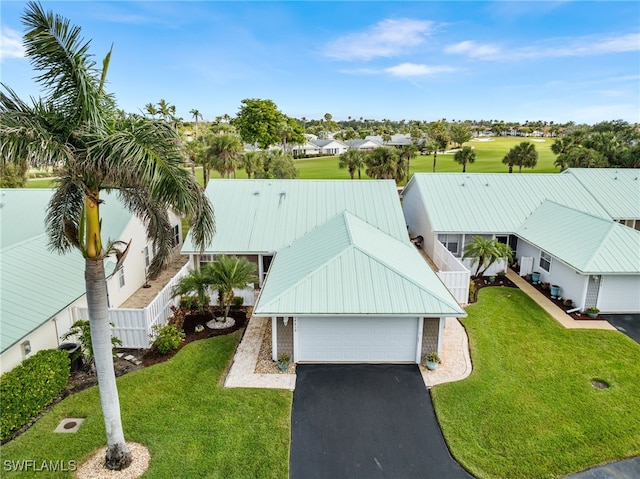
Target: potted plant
555,291
545,286
592,312
568,303
432,360
492,279
283,361
535,277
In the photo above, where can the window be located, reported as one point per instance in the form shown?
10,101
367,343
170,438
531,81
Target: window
121,277
451,242
176,235
147,258
545,261
204,259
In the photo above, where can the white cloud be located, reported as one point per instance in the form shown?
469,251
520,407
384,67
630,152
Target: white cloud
10,44
414,69
551,48
387,38
473,49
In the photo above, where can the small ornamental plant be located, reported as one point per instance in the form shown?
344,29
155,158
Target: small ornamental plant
432,357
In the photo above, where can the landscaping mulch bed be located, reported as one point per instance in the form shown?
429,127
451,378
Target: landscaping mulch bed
485,282
560,303
193,319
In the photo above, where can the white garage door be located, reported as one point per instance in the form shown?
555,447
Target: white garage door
360,340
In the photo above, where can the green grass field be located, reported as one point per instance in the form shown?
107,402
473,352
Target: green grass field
529,410
489,160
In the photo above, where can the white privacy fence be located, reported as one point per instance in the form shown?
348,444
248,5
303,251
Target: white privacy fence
494,269
452,273
133,326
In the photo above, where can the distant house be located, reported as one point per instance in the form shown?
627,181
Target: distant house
330,147
40,288
559,225
339,277
363,145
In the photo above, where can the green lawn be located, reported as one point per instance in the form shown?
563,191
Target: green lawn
40,183
192,426
488,160
529,410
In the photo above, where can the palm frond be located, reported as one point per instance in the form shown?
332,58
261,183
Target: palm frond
32,133
154,215
146,154
63,215
68,72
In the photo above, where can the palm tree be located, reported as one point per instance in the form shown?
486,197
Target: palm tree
224,153
196,282
381,162
510,159
76,126
230,272
151,109
196,115
354,160
486,252
251,162
407,152
464,156
526,155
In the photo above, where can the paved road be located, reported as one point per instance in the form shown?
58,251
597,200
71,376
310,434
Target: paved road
366,421
629,469
629,324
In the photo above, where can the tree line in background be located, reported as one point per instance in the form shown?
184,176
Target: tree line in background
260,140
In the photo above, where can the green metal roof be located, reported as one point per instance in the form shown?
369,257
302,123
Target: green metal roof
495,202
348,267
616,189
261,216
36,283
587,243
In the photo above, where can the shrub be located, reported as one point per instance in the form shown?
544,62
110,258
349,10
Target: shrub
178,317
82,330
237,302
190,302
167,338
30,387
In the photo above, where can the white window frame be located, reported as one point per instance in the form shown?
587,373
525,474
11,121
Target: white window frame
121,281
446,237
545,259
147,257
204,259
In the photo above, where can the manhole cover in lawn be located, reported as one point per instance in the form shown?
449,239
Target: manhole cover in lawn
70,425
599,384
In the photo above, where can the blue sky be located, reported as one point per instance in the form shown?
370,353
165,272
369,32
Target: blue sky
514,61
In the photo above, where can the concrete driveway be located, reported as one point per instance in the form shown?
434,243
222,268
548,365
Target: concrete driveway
366,421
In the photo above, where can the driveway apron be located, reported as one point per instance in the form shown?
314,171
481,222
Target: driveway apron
366,421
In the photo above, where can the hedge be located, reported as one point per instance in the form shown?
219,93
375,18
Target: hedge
29,388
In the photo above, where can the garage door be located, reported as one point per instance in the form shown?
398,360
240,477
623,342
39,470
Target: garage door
357,340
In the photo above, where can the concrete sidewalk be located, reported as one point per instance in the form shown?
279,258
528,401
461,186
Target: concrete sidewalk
557,313
456,362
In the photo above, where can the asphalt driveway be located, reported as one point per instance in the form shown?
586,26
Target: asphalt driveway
366,421
629,324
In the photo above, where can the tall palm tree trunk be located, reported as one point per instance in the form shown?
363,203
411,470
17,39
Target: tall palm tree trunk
118,455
